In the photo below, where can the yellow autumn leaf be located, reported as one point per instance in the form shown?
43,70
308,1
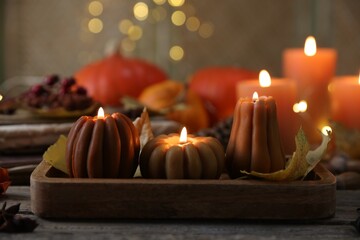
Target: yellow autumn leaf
301,163
55,154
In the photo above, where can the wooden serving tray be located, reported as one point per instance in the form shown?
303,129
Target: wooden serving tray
53,195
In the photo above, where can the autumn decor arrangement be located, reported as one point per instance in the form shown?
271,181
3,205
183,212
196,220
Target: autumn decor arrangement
115,76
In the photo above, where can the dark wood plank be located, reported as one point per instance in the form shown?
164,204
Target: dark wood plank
337,227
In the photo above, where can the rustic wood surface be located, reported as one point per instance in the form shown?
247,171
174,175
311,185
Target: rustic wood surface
53,196
338,227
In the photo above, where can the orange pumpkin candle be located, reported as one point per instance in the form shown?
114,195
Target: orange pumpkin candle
105,146
312,69
182,157
254,143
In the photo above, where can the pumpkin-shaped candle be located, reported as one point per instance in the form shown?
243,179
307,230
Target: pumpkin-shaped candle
105,146
177,156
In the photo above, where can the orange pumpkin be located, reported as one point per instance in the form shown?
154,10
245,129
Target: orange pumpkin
113,77
178,104
217,88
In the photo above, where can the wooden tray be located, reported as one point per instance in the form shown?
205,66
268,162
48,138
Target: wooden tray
53,195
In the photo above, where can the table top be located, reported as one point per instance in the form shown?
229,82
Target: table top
337,227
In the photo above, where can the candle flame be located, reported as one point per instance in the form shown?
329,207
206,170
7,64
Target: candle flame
183,135
310,46
1,97
101,113
326,130
300,106
264,78
255,96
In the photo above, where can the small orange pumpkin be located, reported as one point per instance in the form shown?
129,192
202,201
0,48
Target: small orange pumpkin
105,147
113,77
178,103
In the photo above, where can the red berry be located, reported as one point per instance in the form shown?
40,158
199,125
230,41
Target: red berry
51,80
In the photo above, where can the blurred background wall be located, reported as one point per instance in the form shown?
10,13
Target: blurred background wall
41,37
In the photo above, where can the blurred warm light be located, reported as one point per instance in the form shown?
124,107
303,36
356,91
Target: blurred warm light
135,32
176,53
300,106
159,2
183,135
264,79
95,8
128,45
310,46
158,13
178,18
255,96
206,30
326,129
124,26
192,24
359,78
141,11
176,3
95,25
1,97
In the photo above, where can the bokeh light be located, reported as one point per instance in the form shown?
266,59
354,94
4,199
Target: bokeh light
178,18
159,2
135,32
95,25
124,26
141,11
192,24
176,53
206,30
176,3
95,8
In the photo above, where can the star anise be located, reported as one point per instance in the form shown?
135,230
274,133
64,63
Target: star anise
356,223
11,221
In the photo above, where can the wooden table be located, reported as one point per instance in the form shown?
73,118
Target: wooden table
337,227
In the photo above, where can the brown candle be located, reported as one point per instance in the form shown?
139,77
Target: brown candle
254,143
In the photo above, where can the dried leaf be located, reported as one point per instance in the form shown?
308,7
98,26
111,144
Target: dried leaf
301,163
55,154
143,125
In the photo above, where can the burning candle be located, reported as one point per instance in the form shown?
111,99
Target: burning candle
345,97
312,68
285,93
254,143
104,146
182,156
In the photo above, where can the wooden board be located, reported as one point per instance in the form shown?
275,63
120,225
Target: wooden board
56,196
